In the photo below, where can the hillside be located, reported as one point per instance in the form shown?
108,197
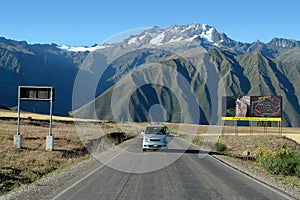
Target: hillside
244,74
37,65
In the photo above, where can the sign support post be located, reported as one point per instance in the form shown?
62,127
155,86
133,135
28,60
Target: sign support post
50,138
18,137
32,93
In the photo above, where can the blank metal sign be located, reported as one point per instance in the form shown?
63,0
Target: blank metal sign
36,93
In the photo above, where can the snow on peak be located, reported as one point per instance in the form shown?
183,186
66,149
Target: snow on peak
133,40
81,49
176,33
174,39
158,40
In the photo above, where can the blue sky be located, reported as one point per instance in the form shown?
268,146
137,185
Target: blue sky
88,22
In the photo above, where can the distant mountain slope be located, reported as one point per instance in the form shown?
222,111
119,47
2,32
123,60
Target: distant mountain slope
37,65
245,74
152,91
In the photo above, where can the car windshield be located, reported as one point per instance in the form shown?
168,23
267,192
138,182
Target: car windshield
156,130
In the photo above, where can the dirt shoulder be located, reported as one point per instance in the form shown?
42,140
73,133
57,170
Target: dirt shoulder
294,136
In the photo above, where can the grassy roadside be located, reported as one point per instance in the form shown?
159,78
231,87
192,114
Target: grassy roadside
32,161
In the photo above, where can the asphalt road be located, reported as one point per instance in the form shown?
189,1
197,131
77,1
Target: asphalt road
181,172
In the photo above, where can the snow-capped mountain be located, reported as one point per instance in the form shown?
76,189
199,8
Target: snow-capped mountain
159,36
177,36
156,36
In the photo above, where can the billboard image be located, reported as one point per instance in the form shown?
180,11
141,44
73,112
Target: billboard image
266,106
256,108
236,106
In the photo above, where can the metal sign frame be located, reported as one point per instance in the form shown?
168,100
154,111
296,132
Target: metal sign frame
35,93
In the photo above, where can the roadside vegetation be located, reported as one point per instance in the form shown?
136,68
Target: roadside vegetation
220,146
279,162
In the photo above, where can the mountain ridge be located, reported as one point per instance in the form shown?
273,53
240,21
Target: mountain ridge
199,32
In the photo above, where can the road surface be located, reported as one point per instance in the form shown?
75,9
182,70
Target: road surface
181,172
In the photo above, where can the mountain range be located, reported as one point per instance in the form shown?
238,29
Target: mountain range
160,66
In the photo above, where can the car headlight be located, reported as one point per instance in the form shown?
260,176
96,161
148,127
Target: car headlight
147,139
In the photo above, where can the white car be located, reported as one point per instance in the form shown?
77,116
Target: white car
155,137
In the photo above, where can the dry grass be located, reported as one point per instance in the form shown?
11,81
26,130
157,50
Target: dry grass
204,130
32,161
25,165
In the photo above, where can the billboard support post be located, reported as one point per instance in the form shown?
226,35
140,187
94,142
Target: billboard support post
265,128
223,128
251,127
236,131
280,128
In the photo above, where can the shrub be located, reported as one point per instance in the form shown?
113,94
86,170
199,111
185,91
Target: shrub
296,162
297,171
280,161
220,146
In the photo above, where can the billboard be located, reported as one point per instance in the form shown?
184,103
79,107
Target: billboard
252,108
